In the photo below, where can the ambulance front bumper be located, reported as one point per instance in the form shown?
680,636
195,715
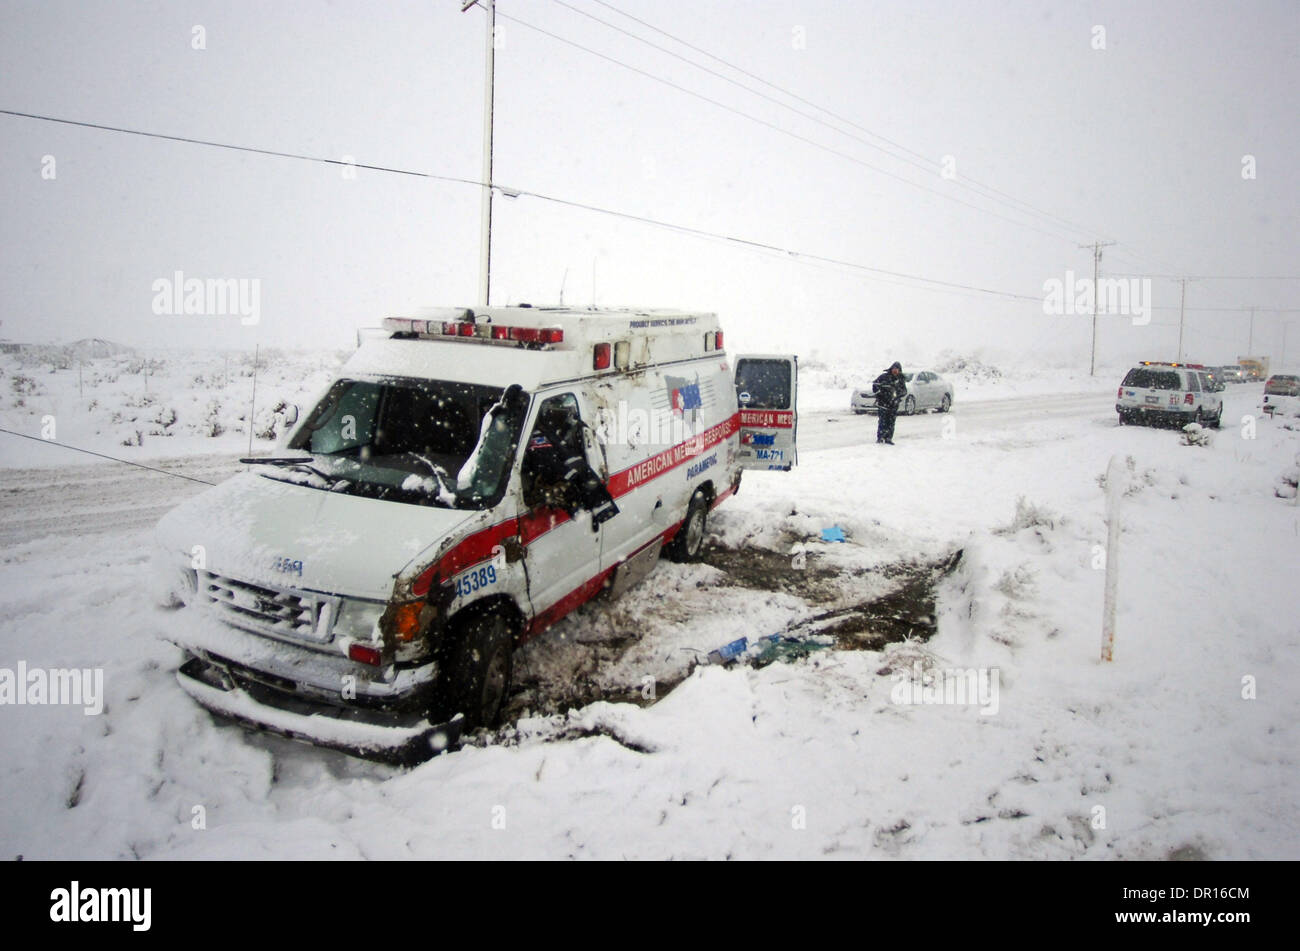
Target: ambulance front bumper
404,740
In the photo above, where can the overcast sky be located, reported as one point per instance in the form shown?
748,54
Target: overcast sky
1141,142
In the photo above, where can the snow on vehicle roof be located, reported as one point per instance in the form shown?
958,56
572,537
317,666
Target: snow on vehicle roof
655,336
579,324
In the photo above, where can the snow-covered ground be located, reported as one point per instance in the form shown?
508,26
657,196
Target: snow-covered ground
1186,744
143,405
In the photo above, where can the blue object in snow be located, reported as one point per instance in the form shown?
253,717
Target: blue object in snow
729,652
833,534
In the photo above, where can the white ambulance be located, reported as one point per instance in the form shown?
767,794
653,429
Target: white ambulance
470,479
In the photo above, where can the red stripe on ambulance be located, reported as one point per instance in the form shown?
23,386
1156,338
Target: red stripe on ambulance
621,483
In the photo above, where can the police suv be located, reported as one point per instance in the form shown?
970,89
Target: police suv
1179,393
469,479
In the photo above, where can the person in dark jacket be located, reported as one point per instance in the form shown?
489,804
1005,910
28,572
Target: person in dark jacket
556,472
890,388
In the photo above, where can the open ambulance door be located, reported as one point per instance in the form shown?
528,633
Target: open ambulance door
767,387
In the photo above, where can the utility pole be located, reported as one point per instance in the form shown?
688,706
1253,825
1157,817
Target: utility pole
1096,270
1182,310
1250,344
485,226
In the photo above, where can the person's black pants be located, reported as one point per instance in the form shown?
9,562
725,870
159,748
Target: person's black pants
885,426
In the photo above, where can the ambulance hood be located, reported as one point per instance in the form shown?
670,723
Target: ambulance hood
261,529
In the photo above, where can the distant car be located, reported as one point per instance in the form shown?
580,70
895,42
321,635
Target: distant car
1281,389
1231,374
1169,393
926,390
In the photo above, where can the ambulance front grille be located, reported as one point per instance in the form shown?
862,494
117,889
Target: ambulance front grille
279,612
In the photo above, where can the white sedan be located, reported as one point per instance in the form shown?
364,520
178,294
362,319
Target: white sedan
926,390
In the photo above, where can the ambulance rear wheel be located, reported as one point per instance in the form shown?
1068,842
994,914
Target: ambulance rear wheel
688,543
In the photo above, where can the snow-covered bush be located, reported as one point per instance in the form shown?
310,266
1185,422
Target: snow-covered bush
212,425
1136,482
971,368
1288,483
149,366
1194,434
271,421
1028,515
163,419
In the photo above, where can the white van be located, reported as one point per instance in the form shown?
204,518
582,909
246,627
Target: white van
469,480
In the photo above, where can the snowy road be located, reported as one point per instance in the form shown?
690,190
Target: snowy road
836,430
97,498
108,497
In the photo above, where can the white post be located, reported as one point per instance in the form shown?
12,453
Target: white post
252,405
1114,478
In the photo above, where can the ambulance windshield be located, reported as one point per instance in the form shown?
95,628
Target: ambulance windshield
424,442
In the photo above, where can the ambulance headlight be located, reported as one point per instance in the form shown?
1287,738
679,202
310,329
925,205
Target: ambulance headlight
173,581
359,619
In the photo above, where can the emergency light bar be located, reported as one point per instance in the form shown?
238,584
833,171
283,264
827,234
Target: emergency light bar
1166,363
466,327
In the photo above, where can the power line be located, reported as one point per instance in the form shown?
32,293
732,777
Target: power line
924,163
91,452
772,247
928,163
238,148
1216,277
774,127
518,192
921,162
1233,310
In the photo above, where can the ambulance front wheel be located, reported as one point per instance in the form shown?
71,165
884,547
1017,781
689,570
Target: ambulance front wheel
477,679
689,540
